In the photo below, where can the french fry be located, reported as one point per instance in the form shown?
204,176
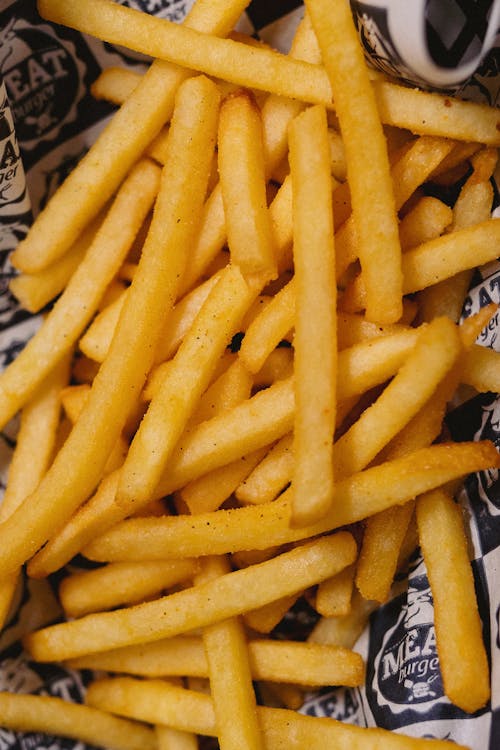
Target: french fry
229,672
436,351
266,618
360,495
228,595
270,476
315,341
35,445
36,290
173,739
122,375
210,491
269,328
75,308
182,385
416,163
121,584
480,369
115,84
458,626
190,711
374,211
343,631
55,716
270,660
333,597
427,219
243,186
233,61
438,259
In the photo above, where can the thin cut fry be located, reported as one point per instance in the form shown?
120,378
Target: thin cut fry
458,625
151,294
271,660
374,211
152,700
360,495
315,341
75,308
229,672
185,380
243,186
229,595
121,583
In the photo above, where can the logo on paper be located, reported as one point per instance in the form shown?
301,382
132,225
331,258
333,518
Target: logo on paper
42,79
173,10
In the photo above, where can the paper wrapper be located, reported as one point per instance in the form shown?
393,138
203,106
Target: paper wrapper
47,72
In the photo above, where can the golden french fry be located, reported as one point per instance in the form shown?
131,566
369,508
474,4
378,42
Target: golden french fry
36,290
333,597
315,340
427,219
269,328
458,625
266,618
121,584
415,164
343,631
150,700
115,84
270,476
359,496
123,373
243,186
229,595
229,672
35,446
374,211
210,491
182,385
75,308
271,660
55,716
436,351
438,259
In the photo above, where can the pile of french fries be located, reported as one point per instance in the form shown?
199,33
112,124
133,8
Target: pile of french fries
237,397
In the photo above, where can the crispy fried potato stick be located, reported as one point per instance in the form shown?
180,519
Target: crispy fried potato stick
35,444
151,295
118,584
436,351
261,526
459,640
315,340
54,716
76,307
373,205
152,700
420,112
36,290
229,673
121,143
243,186
182,385
438,259
271,660
204,604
